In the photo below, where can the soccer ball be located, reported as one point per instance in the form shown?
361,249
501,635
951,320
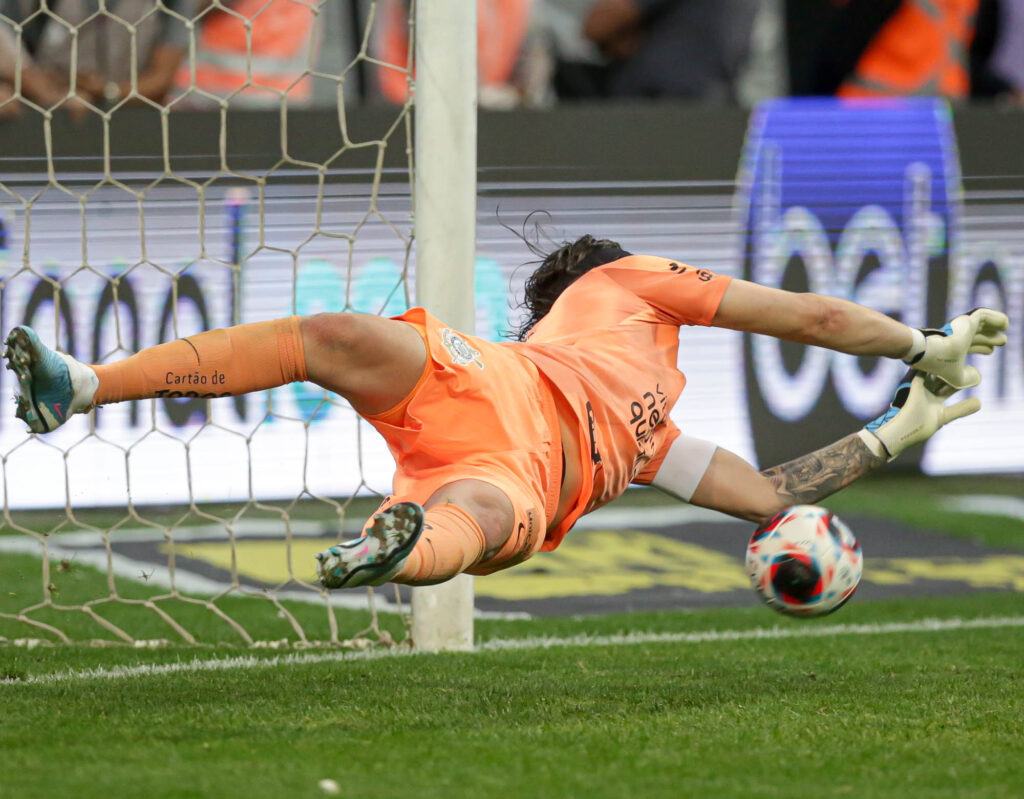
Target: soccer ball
804,562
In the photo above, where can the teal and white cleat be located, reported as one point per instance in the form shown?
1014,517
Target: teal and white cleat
376,557
52,385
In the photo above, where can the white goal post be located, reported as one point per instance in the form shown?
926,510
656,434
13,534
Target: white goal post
444,213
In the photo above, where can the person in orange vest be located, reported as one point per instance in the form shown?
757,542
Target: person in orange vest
921,50
502,27
284,44
879,48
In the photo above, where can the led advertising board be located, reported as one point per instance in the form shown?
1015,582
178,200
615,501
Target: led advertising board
861,205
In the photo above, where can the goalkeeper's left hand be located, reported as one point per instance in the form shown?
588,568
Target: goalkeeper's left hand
943,352
917,412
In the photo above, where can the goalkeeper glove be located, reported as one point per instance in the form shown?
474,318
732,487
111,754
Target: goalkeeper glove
915,415
943,352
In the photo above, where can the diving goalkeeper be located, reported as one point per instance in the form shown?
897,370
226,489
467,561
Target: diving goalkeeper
501,447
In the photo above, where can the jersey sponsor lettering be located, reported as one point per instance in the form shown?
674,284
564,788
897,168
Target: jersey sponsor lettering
194,379
166,392
703,275
646,414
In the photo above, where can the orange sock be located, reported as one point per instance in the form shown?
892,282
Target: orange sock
217,363
451,542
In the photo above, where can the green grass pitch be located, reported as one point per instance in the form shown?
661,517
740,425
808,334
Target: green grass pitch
844,706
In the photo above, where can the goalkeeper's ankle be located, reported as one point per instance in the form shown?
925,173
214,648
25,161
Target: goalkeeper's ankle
84,383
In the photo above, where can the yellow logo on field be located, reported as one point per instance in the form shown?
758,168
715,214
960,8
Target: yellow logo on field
267,561
992,571
607,562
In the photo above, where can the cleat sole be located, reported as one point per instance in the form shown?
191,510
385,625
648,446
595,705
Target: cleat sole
404,521
19,357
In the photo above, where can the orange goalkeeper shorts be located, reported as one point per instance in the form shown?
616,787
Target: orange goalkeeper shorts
480,411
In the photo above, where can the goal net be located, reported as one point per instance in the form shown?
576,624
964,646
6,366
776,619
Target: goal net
183,519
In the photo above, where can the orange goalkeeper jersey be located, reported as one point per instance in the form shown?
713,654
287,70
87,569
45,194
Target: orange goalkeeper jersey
610,345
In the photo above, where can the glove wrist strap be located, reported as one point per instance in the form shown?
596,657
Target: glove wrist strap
874,444
917,347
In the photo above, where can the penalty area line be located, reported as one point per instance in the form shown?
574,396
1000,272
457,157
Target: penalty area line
524,644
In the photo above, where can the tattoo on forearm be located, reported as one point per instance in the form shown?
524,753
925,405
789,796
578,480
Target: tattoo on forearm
813,477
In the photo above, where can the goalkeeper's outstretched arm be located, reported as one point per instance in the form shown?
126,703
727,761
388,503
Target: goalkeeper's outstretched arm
812,319
855,329
731,485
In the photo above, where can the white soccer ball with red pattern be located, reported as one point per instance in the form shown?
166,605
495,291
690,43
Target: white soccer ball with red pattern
804,562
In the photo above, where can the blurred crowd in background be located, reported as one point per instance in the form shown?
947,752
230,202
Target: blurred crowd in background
73,54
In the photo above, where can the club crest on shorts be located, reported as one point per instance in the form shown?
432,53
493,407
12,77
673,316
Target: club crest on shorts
459,348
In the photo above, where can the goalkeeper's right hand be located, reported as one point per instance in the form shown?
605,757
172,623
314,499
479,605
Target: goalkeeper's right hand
943,352
917,412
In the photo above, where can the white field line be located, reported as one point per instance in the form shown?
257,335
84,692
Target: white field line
526,644
987,504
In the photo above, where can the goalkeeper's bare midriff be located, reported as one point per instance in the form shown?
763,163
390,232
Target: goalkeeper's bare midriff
572,474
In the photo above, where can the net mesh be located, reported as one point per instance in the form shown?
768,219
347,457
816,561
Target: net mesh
181,518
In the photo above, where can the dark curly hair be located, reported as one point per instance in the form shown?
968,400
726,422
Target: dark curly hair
558,270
